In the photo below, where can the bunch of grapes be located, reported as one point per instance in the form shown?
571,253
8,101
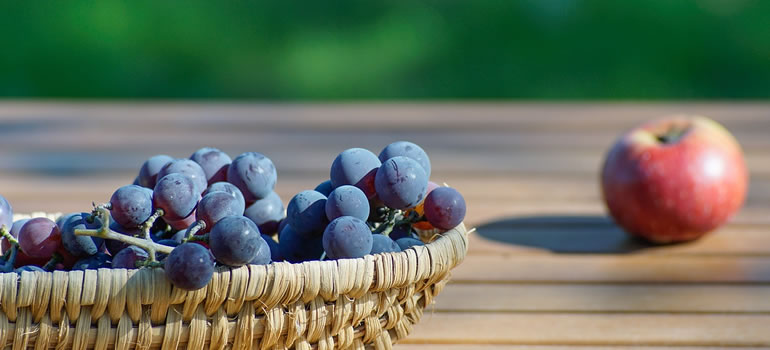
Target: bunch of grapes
190,215
371,204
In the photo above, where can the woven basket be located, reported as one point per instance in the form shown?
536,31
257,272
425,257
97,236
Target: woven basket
369,302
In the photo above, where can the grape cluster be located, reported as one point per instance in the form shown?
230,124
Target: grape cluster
190,215
371,204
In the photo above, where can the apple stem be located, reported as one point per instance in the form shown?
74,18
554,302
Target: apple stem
672,135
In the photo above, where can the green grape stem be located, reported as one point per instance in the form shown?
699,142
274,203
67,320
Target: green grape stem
51,264
148,263
7,235
106,233
10,256
193,229
197,238
147,224
397,218
387,227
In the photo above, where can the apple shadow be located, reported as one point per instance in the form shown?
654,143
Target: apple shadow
563,234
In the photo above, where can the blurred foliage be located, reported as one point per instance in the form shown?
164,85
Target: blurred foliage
286,50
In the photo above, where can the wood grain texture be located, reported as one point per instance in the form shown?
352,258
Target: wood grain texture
583,268
605,298
593,329
557,347
546,269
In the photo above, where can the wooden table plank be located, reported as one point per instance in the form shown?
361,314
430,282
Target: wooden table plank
555,347
584,268
604,298
593,329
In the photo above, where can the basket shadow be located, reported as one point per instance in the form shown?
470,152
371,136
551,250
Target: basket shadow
563,234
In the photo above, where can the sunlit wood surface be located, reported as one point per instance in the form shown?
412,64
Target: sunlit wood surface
546,269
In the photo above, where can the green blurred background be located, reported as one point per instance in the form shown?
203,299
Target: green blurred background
350,50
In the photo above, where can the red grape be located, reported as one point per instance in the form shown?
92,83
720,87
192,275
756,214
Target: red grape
445,208
40,238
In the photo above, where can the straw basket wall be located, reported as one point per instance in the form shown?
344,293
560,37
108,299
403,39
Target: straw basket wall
369,302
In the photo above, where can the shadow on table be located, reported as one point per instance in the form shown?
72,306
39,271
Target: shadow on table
563,234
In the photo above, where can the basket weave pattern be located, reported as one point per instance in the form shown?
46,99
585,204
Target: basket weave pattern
354,303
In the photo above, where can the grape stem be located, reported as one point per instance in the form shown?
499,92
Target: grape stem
148,263
389,223
396,218
105,233
147,224
10,256
193,229
51,264
7,235
197,238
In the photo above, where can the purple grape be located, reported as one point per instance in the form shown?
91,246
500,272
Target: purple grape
253,174
401,183
136,181
406,242
406,149
177,195
444,208
325,188
357,167
80,246
182,224
168,242
189,266
235,240
189,168
275,253
39,238
401,231
347,200
179,236
131,205
6,213
228,188
306,212
98,261
148,174
129,257
264,254
214,163
282,224
266,213
17,225
383,244
295,247
347,237
217,205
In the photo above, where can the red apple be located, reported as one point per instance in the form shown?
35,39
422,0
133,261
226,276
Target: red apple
674,179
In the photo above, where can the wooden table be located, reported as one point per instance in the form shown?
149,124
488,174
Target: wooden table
546,269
